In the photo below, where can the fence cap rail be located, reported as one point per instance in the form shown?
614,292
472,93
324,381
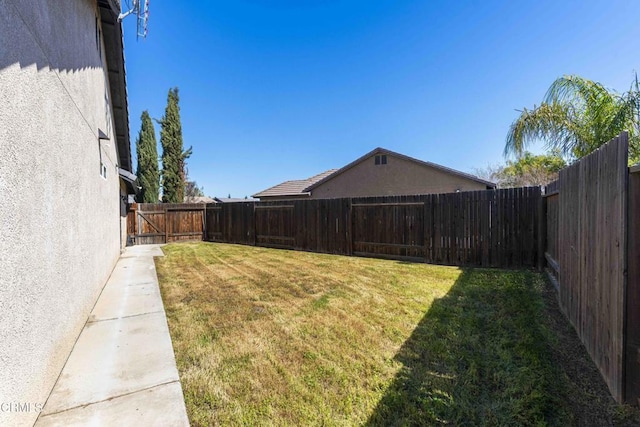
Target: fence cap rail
373,205
274,206
634,168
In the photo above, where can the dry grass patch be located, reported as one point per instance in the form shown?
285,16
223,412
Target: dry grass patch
273,337
290,337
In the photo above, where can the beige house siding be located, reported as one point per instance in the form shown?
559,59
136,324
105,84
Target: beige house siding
60,219
398,177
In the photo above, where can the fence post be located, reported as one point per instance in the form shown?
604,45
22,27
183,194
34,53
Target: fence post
166,222
428,228
204,223
350,228
542,229
226,236
135,222
254,223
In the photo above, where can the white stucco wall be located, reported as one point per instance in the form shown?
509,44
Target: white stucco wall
59,219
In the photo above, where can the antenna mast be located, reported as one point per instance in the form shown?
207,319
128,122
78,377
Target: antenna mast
140,8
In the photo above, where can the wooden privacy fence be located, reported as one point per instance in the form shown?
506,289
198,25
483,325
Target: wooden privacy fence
149,223
591,238
493,228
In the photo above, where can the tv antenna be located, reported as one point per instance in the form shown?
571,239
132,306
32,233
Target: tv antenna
139,8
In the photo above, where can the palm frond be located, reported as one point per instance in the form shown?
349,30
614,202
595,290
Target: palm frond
577,116
547,122
575,90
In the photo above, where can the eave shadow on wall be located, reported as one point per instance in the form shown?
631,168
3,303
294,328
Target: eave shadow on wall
42,34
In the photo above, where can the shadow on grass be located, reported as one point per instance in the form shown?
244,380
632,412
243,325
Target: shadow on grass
482,355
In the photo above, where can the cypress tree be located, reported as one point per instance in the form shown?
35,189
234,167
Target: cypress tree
173,158
148,171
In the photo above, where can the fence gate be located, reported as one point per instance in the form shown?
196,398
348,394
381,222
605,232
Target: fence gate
389,230
149,223
274,226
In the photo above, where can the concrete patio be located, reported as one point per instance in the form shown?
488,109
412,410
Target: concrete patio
122,369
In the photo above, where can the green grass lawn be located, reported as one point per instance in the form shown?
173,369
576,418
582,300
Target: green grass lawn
274,337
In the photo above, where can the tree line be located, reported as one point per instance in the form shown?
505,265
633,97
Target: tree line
172,178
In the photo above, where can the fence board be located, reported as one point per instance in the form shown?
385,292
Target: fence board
214,223
551,227
274,226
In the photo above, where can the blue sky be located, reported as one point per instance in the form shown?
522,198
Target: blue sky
272,90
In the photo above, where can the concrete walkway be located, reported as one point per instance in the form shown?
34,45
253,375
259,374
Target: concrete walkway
122,370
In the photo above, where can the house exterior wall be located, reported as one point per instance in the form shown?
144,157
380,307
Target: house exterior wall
397,177
59,218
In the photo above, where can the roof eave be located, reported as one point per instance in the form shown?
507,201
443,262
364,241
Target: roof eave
113,4
306,193
114,52
130,180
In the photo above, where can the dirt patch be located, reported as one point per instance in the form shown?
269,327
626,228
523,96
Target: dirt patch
587,394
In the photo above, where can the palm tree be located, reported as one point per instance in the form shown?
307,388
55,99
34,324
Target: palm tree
577,116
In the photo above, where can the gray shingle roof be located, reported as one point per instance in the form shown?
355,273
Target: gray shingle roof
294,188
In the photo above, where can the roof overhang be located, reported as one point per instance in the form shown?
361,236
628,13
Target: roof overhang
114,51
113,4
260,195
130,180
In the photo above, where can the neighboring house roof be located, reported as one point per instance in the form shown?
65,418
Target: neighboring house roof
199,199
303,187
114,51
380,150
231,200
295,187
